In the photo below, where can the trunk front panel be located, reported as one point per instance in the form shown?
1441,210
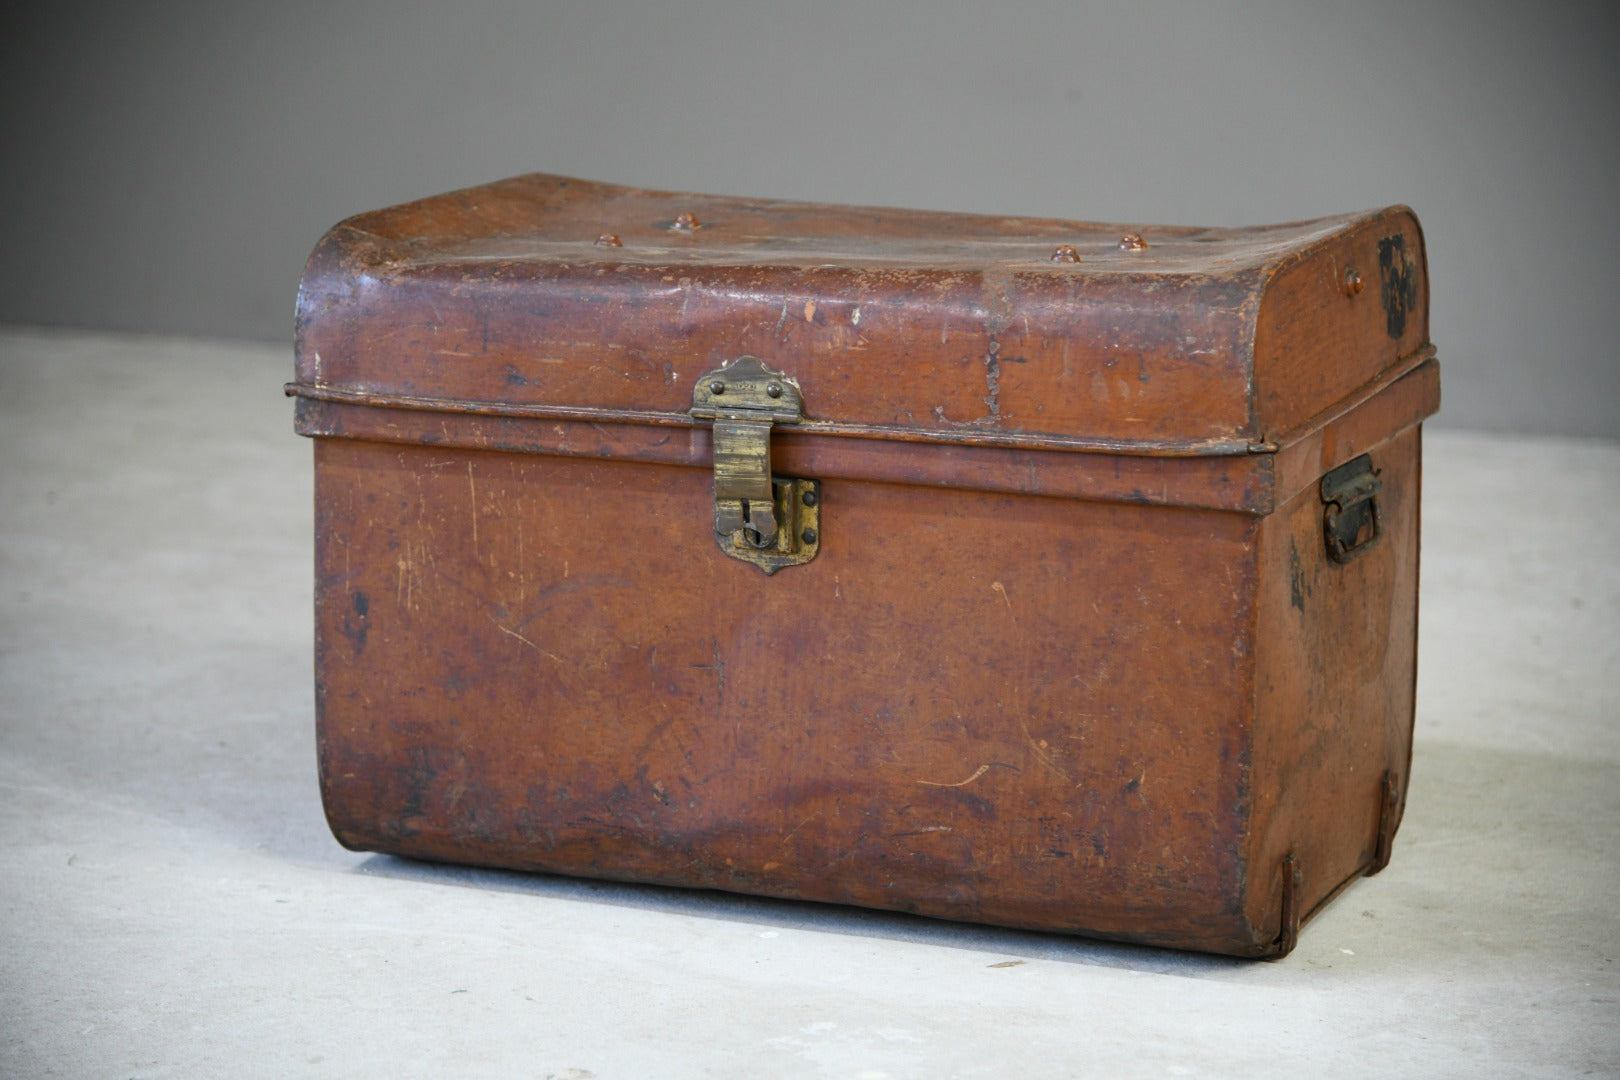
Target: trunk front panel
1018,710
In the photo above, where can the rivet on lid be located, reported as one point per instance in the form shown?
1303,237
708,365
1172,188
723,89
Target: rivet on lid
1065,253
607,239
1132,242
686,223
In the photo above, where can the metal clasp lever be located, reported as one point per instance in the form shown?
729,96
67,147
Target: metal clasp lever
743,499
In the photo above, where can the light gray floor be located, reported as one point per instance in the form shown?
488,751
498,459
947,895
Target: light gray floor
171,903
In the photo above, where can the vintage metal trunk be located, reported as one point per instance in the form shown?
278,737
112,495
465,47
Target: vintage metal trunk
1031,572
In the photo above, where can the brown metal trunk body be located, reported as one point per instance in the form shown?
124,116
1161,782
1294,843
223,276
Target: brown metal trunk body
1073,653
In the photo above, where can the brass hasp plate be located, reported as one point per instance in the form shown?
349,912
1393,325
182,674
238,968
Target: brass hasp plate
770,521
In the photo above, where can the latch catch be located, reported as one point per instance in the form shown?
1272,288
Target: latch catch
766,520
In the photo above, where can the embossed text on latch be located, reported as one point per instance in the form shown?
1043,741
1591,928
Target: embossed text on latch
759,518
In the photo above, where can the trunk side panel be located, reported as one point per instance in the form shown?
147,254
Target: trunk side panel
1335,668
1318,339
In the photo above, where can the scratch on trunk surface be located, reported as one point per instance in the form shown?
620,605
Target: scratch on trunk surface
795,831
1039,749
526,641
980,771
472,497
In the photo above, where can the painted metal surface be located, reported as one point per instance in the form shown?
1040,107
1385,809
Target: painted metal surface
1072,653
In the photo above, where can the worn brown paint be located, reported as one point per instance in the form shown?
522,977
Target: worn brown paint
1071,654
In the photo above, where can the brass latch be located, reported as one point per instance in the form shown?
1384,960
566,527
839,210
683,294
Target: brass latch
770,521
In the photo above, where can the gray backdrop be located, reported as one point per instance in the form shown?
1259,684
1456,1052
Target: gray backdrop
168,165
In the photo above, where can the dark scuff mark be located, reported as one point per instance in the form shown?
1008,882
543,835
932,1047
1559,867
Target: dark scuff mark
719,667
354,621
514,377
419,775
980,807
1298,588
654,787
1399,283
